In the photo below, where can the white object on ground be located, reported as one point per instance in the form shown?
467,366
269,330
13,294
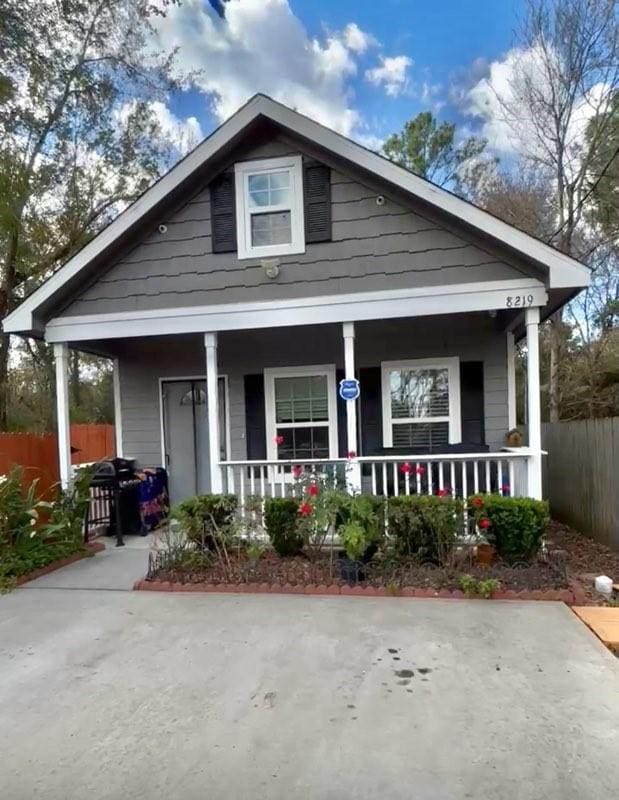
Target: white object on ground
604,585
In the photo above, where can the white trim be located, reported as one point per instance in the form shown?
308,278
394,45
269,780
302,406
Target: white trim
511,381
242,171
118,414
534,472
385,304
453,366
63,423
352,446
269,403
212,392
563,271
180,379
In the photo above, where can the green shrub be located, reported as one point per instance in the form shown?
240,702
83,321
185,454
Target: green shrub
516,524
360,524
19,508
68,512
472,587
281,516
204,515
425,526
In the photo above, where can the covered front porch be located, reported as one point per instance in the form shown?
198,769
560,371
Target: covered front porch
245,411
436,399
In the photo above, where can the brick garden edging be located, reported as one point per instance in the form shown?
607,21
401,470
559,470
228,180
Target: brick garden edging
570,596
89,549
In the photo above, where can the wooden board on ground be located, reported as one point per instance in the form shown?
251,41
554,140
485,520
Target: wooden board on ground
603,621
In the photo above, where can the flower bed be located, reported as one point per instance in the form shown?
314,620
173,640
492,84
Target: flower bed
300,573
436,544
36,535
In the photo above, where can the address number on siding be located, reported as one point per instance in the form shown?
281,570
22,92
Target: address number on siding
519,300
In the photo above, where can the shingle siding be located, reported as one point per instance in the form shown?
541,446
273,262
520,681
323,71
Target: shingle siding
373,247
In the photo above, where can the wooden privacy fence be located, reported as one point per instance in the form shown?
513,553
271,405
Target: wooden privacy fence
38,453
581,476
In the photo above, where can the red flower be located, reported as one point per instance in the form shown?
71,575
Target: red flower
297,470
352,454
405,468
484,523
478,502
442,492
305,509
278,440
505,488
313,490
419,470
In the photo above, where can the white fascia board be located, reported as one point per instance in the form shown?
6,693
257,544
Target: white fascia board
424,301
564,272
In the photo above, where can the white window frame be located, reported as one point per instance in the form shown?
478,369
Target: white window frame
453,377
269,404
242,171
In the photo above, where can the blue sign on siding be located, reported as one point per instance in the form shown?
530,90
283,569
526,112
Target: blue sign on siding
349,389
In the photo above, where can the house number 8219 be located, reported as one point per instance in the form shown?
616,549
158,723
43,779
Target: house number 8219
519,300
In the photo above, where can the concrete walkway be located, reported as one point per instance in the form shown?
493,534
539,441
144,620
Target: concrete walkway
110,694
116,568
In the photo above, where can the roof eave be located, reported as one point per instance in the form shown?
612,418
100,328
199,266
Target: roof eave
563,271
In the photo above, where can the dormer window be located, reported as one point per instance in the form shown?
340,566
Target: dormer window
269,207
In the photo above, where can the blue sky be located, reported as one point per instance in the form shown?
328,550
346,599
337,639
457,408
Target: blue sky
362,67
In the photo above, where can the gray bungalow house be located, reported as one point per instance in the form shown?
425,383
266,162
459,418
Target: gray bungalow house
284,297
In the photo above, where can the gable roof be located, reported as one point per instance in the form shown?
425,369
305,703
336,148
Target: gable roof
563,272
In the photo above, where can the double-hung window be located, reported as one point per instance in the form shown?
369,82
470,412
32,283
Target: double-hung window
421,403
301,413
269,207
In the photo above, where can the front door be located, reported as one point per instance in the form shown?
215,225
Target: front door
185,432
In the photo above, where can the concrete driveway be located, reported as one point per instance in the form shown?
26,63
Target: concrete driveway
108,694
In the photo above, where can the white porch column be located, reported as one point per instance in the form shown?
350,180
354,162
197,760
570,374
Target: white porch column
511,381
212,393
61,358
118,417
354,472
533,400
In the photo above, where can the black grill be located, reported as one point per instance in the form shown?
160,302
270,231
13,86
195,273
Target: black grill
115,500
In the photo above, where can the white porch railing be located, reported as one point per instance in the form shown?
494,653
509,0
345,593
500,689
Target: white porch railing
454,474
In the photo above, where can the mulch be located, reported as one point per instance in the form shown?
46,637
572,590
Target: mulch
584,558
579,560
300,571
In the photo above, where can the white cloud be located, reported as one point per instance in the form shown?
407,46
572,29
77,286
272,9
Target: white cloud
498,100
392,74
262,46
183,134
357,40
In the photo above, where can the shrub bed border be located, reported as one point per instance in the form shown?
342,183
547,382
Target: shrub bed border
570,596
90,549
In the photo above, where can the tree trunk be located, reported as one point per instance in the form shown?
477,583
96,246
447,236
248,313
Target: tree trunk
75,389
553,374
5,345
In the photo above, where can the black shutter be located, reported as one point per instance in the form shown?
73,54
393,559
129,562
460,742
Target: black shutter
255,423
472,402
371,407
317,191
223,214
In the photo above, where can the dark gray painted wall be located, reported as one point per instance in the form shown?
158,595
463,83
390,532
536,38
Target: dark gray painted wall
472,337
374,247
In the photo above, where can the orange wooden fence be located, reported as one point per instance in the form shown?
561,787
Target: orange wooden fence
38,453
